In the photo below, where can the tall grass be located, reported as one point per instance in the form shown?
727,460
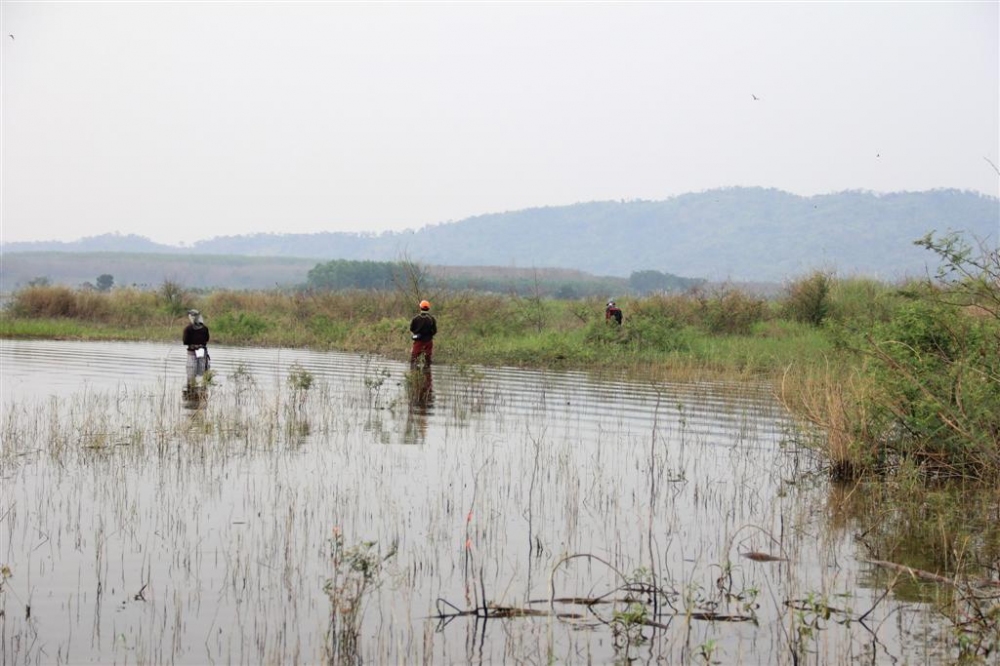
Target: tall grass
720,330
883,371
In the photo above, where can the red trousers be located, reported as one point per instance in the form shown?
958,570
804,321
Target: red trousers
425,347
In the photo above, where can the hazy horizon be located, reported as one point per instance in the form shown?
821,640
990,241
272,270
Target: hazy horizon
377,232
182,122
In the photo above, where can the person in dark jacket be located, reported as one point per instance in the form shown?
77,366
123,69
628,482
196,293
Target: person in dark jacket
613,312
423,328
195,338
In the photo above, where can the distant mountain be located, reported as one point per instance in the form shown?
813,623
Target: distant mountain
103,243
150,270
743,234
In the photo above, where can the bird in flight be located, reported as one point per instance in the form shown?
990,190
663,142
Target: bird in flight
755,98
11,36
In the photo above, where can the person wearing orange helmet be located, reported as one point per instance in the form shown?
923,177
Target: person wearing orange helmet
423,328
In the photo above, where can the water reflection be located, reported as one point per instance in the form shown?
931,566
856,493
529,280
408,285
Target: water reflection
419,386
194,397
945,530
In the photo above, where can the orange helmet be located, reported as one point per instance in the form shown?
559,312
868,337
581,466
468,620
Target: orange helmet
425,305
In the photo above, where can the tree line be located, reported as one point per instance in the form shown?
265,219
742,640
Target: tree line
342,274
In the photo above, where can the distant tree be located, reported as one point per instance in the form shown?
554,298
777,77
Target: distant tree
567,292
412,280
40,281
649,282
344,274
105,282
172,297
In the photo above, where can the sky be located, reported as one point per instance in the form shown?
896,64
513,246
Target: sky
183,121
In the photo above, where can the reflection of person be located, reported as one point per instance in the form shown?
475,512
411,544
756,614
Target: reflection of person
613,312
423,328
196,340
420,394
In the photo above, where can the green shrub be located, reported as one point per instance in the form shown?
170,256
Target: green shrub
729,311
938,376
808,300
239,326
647,331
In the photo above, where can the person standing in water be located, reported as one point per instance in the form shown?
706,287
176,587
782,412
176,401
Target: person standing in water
423,328
195,338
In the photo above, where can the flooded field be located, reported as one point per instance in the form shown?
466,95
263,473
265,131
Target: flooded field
333,508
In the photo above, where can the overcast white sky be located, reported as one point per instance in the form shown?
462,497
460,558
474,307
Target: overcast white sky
182,121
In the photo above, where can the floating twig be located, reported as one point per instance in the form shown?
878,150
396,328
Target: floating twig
762,557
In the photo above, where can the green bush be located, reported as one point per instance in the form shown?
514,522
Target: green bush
808,300
938,376
650,332
729,311
238,327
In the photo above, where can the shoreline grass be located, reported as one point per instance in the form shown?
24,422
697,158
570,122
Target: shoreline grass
567,339
885,373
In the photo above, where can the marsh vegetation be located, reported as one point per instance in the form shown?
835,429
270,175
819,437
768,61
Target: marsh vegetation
324,507
723,479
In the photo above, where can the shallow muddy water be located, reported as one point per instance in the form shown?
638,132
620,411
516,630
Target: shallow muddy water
476,510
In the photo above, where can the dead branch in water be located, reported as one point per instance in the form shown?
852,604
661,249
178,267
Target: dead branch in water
497,612
915,573
630,592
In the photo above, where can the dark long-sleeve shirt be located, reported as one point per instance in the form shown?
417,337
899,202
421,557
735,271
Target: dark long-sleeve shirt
423,327
195,336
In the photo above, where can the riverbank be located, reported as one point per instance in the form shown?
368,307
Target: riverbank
727,335
885,373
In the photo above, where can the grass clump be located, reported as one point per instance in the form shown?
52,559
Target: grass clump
357,572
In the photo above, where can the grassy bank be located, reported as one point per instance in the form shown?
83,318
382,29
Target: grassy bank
886,374
726,332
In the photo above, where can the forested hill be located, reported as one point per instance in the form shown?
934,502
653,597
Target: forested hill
736,233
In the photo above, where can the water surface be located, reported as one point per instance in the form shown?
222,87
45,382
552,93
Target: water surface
140,526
